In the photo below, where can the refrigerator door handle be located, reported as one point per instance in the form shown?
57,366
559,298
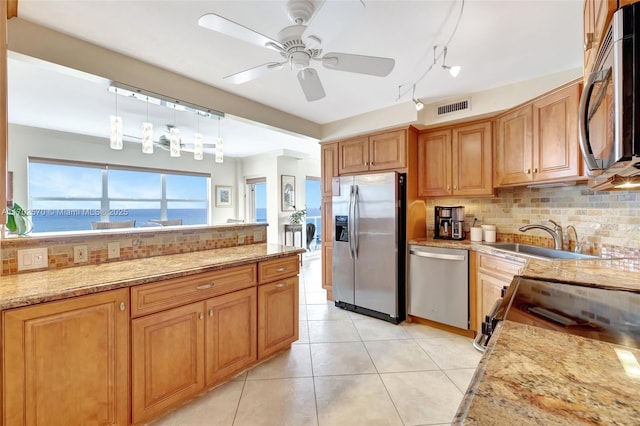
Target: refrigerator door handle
356,220
350,222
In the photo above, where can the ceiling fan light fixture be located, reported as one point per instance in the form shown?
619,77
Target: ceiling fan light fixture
419,104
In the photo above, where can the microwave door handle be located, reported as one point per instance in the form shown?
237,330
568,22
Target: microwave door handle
583,121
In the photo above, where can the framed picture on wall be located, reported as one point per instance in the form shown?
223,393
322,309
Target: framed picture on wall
223,196
288,190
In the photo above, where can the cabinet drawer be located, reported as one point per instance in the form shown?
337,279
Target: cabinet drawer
272,270
498,266
155,297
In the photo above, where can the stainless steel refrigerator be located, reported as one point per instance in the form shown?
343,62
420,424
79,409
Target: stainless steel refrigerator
369,245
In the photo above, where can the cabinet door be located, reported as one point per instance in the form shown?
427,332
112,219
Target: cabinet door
230,334
472,171
434,164
167,359
329,162
388,151
353,155
513,147
490,289
277,316
67,362
588,37
556,151
327,269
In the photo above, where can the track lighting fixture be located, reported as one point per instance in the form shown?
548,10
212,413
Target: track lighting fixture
454,70
419,104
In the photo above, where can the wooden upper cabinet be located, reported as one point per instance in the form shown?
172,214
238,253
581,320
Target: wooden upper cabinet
67,362
555,137
329,161
382,151
472,159
596,17
388,151
353,155
434,163
456,161
514,136
538,142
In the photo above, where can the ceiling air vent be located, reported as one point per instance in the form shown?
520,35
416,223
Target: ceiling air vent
453,107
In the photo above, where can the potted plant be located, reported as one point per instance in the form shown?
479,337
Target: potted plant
297,217
18,221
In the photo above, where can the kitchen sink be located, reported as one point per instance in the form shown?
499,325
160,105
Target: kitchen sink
539,252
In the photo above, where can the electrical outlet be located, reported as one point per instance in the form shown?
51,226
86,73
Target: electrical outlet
257,236
33,258
113,250
80,254
240,238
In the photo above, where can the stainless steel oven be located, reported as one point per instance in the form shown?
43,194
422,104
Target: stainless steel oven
609,117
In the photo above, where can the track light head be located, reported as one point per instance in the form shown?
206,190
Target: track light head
419,104
454,70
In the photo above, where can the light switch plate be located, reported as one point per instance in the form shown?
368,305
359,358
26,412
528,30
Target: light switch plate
257,236
35,258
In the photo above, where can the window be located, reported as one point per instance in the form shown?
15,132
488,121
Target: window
68,196
257,200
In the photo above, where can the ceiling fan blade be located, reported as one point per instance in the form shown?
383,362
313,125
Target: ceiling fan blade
253,73
331,17
371,65
311,85
222,25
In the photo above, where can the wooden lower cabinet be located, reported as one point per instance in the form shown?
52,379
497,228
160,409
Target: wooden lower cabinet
277,316
67,362
167,359
230,334
492,274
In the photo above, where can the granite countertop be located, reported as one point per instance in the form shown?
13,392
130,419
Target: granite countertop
534,376
41,286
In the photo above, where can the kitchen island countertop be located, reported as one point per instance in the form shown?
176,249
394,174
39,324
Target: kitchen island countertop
41,286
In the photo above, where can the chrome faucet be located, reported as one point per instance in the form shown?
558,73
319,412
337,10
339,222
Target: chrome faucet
556,232
576,248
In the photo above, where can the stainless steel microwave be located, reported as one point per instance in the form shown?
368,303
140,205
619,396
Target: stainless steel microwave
609,119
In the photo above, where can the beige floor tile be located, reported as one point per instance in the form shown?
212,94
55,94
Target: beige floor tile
461,378
303,333
332,331
282,402
302,312
359,400
240,377
329,359
451,353
421,331
376,329
326,312
316,297
296,362
394,356
424,397
216,408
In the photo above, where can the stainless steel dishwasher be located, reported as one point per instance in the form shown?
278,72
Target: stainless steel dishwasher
439,285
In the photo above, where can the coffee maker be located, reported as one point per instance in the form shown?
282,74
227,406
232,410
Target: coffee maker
449,223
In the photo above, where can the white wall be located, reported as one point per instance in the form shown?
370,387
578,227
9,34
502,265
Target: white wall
30,141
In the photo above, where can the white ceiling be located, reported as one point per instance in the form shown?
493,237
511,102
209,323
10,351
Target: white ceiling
497,42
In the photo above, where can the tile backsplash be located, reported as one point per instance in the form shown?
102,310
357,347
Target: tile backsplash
608,223
134,244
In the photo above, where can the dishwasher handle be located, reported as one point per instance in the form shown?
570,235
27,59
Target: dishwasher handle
441,256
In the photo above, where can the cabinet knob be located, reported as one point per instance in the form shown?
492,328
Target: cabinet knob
211,312
280,285
535,170
281,269
588,41
455,187
204,286
201,315
122,306
527,171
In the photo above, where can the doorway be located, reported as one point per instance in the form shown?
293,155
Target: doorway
313,200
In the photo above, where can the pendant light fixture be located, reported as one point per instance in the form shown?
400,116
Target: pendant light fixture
147,134
219,156
174,138
198,146
115,140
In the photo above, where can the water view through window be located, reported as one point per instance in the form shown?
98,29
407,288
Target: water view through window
69,197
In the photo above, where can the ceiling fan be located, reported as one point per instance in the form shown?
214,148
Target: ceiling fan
299,44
